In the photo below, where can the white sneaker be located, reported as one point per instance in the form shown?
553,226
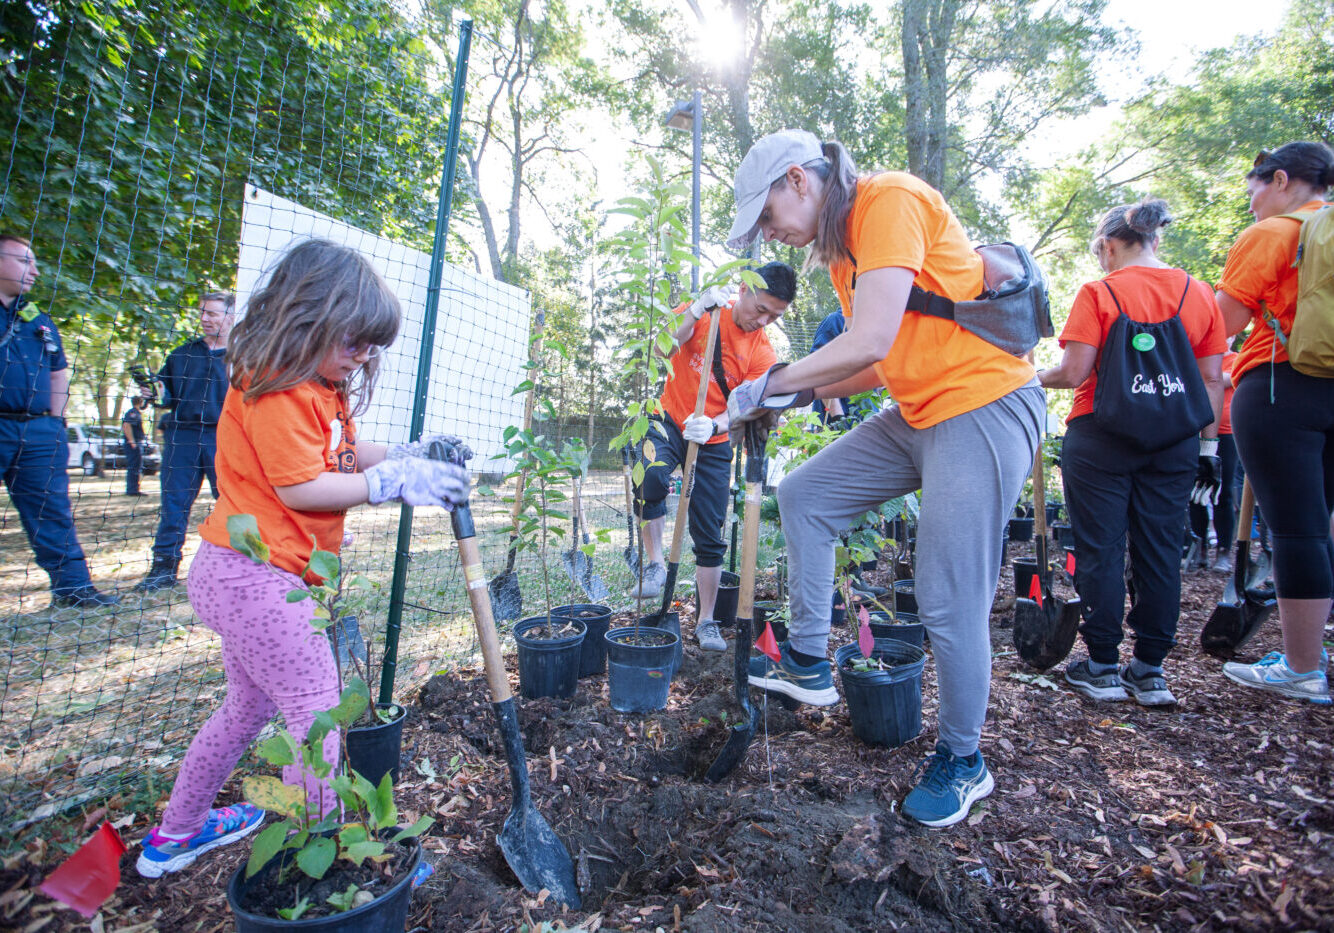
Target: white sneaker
651,583
709,636
1273,674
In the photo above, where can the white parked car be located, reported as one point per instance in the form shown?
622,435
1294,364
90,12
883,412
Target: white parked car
95,447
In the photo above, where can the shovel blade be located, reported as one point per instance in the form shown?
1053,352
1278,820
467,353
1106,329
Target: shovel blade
1044,635
537,857
734,752
1232,625
631,555
506,600
580,570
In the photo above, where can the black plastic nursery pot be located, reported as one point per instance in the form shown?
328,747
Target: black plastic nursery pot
1061,533
1024,572
374,751
1053,512
596,619
903,627
671,622
639,676
549,667
885,706
766,610
1021,529
388,913
905,597
724,610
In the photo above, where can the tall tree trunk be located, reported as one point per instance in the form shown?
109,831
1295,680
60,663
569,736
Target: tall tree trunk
926,32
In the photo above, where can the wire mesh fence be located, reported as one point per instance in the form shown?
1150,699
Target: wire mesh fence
157,159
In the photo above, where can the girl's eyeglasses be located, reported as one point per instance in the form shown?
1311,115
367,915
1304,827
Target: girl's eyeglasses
369,350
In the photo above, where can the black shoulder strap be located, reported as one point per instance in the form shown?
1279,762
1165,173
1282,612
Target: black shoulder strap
1119,309
719,374
1184,292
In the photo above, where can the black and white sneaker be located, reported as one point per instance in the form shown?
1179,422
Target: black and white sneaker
1105,687
1149,690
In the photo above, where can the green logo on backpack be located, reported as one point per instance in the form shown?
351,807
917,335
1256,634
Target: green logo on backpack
1143,342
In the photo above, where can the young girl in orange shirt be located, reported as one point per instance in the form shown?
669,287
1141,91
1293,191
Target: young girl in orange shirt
303,362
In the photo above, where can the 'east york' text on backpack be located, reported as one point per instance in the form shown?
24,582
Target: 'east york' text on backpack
1149,390
1310,344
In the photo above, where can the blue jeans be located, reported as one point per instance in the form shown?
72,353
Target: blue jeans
187,457
34,456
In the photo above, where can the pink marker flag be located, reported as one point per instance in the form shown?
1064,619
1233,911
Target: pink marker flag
865,640
88,877
1070,562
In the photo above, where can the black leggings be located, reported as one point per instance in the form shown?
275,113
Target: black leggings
1287,448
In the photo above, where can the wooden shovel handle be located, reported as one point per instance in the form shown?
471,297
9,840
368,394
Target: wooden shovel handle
692,450
1039,494
1246,512
475,580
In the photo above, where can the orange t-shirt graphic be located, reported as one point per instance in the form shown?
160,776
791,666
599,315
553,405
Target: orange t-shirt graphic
1259,268
745,356
1148,295
281,439
935,370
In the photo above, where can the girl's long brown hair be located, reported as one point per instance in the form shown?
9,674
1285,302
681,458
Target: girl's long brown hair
319,299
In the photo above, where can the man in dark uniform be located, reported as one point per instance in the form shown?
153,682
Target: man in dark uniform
132,426
194,383
34,450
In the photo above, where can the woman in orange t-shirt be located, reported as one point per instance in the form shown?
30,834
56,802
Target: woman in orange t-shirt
1117,485
1282,419
303,361
964,430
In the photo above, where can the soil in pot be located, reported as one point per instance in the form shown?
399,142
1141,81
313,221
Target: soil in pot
550,651
884,702
374,751
767,610
724,610
255,901
596,619
639,667
671,622
903,627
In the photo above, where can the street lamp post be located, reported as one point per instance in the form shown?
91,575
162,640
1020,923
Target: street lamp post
689,115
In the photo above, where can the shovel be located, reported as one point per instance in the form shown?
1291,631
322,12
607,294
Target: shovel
532,850
1242,611
506,599
687,483
1044,628
631,552
577,563
739,740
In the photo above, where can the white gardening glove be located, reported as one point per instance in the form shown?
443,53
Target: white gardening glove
457,450
715,296
416,481
698,429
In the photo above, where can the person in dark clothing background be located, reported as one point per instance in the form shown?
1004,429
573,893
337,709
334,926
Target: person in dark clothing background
830,409
34,448
194,384
132,426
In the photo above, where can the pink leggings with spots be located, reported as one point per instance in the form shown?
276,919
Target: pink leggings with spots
275,663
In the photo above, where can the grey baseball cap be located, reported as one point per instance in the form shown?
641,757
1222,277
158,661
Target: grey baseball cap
766,162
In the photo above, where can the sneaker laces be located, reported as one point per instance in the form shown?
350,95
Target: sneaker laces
229,819
936,773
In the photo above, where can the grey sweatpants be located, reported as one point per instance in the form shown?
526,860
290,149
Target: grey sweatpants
970,469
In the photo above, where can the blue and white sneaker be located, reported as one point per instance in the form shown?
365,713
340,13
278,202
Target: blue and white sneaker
950,786
224,825
813,685
1273,674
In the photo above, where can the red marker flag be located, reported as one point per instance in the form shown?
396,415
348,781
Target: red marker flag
1035,589
1070,562
767,644
88,877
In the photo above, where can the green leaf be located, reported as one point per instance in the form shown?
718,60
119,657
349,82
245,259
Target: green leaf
352,833
294,913
317,856
278,750
295,596
371,848
342,900
243,534
323,564
416,829
267,844
382,809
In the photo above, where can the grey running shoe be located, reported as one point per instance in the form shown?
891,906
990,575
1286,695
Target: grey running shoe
1095,686
1273,674
1149,690
652,582
1223,564
709,636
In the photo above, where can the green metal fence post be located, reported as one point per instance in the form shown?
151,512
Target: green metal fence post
402,552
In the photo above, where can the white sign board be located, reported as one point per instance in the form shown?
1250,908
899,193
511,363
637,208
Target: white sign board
481,333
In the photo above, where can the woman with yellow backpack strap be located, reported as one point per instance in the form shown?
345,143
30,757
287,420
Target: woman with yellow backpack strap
1279,277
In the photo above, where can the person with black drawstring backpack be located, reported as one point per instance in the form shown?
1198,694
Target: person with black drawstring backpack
1143,349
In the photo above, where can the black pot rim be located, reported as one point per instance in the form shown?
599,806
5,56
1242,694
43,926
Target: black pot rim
617,636
543,644
238,879
402,715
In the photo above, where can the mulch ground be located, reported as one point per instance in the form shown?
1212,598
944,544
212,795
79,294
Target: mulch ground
1218,813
